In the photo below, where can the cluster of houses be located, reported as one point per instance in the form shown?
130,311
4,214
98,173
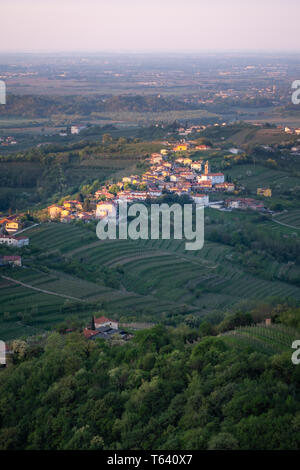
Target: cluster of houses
71,210
289,130
6,141
182,176
104,328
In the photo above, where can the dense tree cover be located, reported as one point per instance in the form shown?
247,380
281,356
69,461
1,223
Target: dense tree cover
257,247
44,106
46,174
160,390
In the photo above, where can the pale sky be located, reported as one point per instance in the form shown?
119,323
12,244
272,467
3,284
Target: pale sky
149,25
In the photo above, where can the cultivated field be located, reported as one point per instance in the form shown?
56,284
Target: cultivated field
159,281
270,339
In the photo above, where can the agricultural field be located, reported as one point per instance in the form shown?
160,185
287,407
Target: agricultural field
259,136
289,219
158,280
254,176
271,339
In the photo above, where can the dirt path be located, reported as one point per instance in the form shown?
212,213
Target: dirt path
285,225
25,229
28,286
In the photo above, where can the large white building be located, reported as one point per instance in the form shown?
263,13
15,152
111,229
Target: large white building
215,178
14,241
202,199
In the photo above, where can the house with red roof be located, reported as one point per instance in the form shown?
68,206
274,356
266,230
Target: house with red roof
13,260
103,321
89,333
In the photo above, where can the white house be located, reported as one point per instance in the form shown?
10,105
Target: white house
103,321
202,199
14,241
215,178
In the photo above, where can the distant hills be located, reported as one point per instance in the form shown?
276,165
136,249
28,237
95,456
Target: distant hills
33,106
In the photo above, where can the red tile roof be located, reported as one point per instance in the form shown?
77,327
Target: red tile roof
89,333
11,258
102,320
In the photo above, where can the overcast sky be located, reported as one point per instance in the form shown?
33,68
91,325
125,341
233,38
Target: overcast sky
149,25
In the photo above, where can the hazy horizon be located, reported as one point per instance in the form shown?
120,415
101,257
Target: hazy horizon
132,26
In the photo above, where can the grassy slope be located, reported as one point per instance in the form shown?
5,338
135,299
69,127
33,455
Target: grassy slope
270,340
159,280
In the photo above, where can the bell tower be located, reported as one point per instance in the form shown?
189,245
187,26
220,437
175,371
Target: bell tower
207,169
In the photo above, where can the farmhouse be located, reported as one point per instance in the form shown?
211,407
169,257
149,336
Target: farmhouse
245,203
12,226
14,241
10,260
266,192
103,328
103,321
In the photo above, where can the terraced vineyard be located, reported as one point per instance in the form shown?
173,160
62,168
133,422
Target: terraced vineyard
255,176
291,218
270,339
159,281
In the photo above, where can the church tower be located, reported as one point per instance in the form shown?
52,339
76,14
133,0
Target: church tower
207,169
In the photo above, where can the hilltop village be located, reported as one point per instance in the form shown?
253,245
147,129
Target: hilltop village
167,173
180,176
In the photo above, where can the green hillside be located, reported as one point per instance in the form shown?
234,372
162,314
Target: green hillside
272,339
152,280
